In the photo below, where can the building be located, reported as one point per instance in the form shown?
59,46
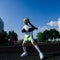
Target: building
1,24
58,24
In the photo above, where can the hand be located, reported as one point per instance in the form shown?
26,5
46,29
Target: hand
36,28
28,21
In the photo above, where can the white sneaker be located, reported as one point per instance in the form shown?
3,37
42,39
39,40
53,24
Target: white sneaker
41,55
24,54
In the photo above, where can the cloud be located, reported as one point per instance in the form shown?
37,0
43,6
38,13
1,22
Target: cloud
58,24
58,18
52,23
43,28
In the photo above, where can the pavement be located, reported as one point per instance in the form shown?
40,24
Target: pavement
51,52
16,56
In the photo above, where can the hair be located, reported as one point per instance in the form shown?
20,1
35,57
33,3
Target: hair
26,19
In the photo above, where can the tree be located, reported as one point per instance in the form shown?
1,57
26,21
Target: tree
54,33
3,37
46,34
12,36
40,36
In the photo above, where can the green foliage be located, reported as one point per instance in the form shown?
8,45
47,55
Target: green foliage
47,34
12,36
3,37
54,33
6,38
40,37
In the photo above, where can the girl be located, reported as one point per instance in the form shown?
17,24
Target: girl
28,29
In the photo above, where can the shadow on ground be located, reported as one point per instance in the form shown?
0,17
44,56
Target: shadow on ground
51,52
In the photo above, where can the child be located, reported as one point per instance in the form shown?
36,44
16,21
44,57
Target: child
28,29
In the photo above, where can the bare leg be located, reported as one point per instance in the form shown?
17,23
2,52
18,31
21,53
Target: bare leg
24,49
37,48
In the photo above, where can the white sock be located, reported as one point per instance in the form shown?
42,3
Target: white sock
40,53
24,49
37,48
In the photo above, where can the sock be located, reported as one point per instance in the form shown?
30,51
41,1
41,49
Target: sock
37,48
40,53
24,49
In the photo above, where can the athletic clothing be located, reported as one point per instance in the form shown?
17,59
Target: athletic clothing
28,35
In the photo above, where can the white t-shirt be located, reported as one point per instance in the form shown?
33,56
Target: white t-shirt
26,27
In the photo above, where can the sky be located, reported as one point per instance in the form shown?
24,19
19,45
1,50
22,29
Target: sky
43,14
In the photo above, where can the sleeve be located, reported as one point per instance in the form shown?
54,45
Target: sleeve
30,29
23,29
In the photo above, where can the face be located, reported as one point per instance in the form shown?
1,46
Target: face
26,22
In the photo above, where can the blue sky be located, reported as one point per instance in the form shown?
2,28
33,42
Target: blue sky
42,13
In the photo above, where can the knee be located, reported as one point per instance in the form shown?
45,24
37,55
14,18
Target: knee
23,44
34,43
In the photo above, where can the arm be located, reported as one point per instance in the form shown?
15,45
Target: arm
23,30
32,25
30,29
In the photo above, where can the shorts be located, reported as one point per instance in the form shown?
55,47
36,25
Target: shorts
29,38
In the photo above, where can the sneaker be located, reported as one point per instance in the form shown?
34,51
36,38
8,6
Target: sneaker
41,56
23,54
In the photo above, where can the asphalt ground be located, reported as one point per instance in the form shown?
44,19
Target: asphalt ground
16,56
51,52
